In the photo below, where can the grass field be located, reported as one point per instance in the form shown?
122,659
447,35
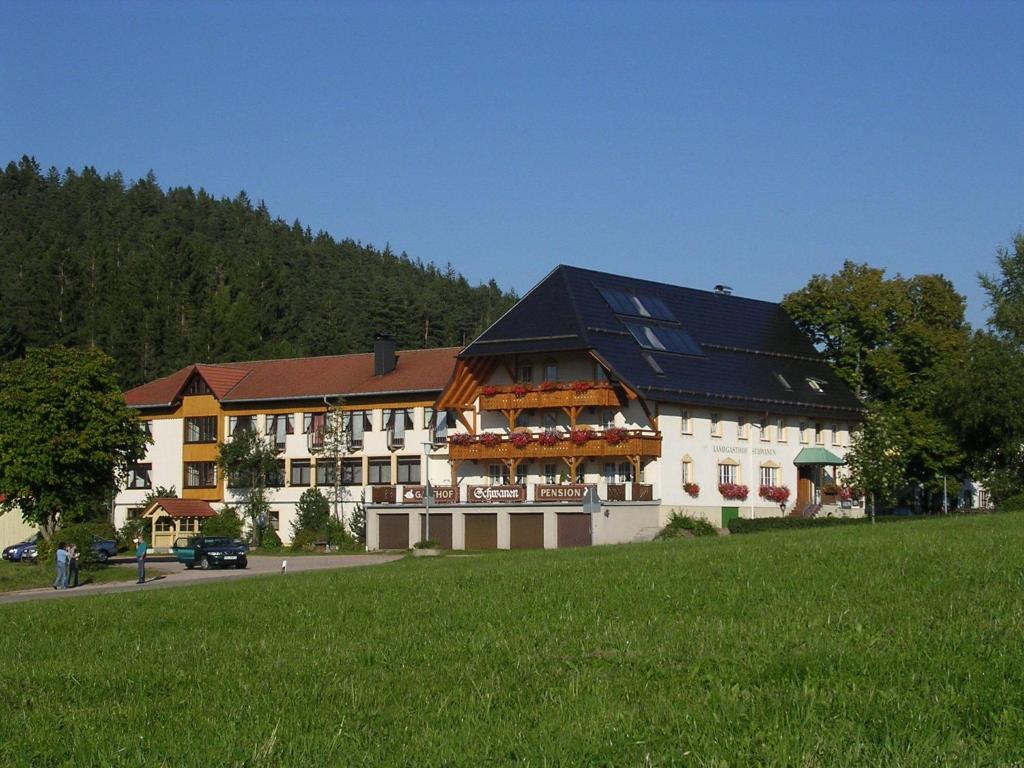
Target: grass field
888,645
15,576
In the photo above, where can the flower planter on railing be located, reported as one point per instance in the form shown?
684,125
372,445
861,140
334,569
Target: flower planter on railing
581,443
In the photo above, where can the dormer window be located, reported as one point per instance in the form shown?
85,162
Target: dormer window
816,385
782,380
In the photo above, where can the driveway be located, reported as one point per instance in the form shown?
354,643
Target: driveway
174,574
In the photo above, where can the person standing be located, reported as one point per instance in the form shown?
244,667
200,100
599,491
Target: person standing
140,558
72,571
61,581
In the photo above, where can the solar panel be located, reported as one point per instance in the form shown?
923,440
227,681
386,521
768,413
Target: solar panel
637,305
664,339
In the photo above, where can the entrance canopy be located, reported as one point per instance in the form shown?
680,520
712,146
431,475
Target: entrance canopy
818,457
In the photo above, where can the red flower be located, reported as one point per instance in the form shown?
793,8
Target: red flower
692,489
615,435
548,386
490,439
777,493
580,436
489,390
520,439
733,491
519,390
548,438
579,387
461,438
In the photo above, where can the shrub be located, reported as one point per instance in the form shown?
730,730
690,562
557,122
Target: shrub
132,528
746,525
426,544
1012,504
81,535
271,541
311,513
681,525
224,523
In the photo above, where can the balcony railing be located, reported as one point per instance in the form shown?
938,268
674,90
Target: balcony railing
520,445
548,395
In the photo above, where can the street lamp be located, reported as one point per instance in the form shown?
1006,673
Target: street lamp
427,445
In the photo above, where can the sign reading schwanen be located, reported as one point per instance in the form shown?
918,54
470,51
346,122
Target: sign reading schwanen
492,494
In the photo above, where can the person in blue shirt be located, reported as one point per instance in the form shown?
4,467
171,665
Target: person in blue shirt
61,582
140,558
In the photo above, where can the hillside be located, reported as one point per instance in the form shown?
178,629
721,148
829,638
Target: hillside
160,279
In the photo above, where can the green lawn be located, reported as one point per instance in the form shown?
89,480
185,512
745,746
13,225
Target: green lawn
887,645
15,576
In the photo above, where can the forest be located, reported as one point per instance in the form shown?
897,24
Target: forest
160,279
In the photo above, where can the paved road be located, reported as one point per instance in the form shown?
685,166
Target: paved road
175,574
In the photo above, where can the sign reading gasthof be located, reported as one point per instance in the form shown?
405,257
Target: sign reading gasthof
443,494
496,494
574,493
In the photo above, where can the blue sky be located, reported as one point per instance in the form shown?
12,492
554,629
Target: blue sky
751,144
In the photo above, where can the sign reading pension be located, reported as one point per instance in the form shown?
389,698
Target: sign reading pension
442,494
560,492
492,494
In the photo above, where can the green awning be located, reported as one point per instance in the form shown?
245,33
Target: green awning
818,456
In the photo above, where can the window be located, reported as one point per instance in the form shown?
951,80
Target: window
835,434
686,422
742,428
201,429
352,471
139,476
200,474
549,419
625,472
803,432
654,365
608,418
663,339
164,525
275,478
274,520
524,417
497,474
313,423
279,425
188,525
819,434
550,371
521,474
239,424
355,424
687,471
526,374
782,380
380,471
409,470
766,431
716,425
816,385
325,471
397,422
550,473
300,471
197,386
609,473
726,473
147,428
769,476
580,474
439,424
781,430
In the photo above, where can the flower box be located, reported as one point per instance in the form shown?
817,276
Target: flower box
777,493
490,439
615,435
489,390
519,390
692,489
519,439
580,436
462,438
548,386
733,491
548,438
579,387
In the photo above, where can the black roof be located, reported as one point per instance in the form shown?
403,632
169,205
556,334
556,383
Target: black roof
733,352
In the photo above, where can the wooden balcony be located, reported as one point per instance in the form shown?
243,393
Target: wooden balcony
600,394
636,443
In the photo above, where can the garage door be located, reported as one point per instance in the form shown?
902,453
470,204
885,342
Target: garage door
573,529
526,531
482,531
394,531
440,529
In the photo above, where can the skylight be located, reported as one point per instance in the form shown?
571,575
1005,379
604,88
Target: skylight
637,305
663,339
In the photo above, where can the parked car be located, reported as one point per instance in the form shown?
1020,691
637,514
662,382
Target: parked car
210,551
104,549
30,553
16,552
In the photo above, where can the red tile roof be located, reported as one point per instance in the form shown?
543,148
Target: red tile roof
418,370
182,507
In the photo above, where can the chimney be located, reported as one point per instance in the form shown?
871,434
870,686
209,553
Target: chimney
383,355
723,290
